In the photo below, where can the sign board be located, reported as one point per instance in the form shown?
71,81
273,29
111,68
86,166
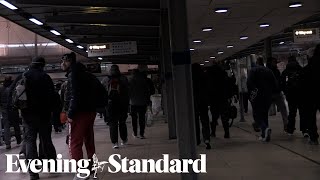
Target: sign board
306,35
112,49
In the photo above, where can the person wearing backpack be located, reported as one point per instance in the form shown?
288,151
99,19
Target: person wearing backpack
36,111
290,84
10,116
140,90
117,87
80,105
278,97
261,85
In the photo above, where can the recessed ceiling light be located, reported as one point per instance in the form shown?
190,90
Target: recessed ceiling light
264,25
230,46
100,58
212,57
220,52
207,29
37,22
197,41
206,61
295,5
192,49
244,37
69,40
80,47
55,32
281,42
8,5
201,64
221,10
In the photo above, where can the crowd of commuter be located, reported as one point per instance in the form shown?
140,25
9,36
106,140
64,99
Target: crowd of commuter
76,102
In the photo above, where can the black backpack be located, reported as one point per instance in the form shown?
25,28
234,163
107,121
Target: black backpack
19,94
98,92
293,81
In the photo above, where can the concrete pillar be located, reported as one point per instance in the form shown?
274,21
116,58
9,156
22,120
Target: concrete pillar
182,79
167,67
36,45
239,76
267,48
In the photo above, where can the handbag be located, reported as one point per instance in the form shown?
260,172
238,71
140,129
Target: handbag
63,117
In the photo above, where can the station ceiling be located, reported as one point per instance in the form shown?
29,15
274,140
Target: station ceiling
95,21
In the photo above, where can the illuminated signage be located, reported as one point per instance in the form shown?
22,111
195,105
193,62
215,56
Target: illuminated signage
306,35
111,49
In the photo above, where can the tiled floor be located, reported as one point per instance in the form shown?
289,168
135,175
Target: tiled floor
240,158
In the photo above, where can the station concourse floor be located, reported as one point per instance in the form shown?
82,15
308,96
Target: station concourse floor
242,157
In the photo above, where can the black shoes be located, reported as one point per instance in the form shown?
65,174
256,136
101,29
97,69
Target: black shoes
256,128
34,176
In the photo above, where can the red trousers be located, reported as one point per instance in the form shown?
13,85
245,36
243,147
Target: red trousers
81,131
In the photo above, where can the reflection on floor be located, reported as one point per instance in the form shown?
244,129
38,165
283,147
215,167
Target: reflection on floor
242,157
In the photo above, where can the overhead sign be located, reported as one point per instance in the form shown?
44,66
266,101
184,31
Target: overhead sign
306,35
112,49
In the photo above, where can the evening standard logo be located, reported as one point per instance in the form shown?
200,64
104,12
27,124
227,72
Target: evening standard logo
115,164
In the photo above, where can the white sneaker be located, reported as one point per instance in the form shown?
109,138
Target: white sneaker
134,136
124,143
115,146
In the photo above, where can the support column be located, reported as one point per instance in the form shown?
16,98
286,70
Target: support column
267,48
239,76
167,67
182,79
35,45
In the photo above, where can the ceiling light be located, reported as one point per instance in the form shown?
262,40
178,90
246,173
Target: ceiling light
295,5
100,58
55,32
212,57
230,46
8,5
281,42
69,40
80,47
220,52
221,10
244,37
192,49
206,61
264,25
87,51
207,29
197,41
201,64
37,22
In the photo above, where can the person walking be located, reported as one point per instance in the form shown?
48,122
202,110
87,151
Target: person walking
200,96
36,113
80,104
10,116
261,85
117,87
291,86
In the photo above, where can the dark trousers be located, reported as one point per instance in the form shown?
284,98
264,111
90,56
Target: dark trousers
309,113
260,110
219,110
38,125
55,120
11,118
201,111
138,111
81,131
117,122
294,106
245,99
